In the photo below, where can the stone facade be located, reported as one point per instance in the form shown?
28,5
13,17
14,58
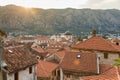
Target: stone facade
110,59
101,54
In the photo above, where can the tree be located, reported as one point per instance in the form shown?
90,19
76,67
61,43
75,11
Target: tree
117,62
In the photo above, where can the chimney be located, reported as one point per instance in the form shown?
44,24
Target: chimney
94,33
117,43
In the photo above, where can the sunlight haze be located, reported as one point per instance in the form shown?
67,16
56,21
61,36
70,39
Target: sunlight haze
95,4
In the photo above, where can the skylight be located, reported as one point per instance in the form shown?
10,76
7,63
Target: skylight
78,56
10,51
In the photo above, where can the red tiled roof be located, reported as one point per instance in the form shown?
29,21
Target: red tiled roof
83,64
18,58
51,51
63,40
38,49
43,38
44,68
61,53
116,40
53,61
97,43
105,67
111,74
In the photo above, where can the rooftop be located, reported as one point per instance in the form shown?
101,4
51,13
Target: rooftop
18,58
73,62
45,68
97,43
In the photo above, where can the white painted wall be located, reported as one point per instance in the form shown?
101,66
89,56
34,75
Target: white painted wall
24,74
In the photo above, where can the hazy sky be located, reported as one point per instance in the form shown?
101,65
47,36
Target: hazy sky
95,4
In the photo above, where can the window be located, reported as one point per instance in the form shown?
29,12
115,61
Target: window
105,55
119,55
16,76
30,70
68,75
99,58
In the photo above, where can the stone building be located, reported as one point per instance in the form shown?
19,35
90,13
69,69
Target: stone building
106,51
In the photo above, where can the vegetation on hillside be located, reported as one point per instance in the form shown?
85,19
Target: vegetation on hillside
51,21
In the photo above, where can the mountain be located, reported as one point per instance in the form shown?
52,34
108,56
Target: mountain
50,21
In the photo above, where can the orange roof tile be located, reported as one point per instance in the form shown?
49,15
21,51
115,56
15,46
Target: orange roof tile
18,58
38,49
51,51
43,38
70,62
97,43
44,68
61,53
111,74
105,67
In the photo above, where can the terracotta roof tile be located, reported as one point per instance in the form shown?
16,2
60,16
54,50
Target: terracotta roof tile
42,38
111,74
61,53
44,68
18,58
70,62
105,67
97,43
38,49
51,51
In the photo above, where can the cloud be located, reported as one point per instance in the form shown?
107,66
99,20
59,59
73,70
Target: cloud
102,4
94,1
95,4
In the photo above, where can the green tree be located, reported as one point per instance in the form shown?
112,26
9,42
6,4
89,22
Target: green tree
117,62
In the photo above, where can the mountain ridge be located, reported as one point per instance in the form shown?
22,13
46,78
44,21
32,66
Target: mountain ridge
50,21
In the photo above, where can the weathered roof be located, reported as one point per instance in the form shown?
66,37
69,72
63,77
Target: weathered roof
44,68
109,74
70,62
18,58
97,43
61,53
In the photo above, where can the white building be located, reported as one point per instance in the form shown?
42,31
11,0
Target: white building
58,37
19,64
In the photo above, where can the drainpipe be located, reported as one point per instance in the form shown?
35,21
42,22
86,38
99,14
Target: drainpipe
98,66
61,74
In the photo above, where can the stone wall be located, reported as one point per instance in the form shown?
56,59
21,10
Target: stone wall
111,57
